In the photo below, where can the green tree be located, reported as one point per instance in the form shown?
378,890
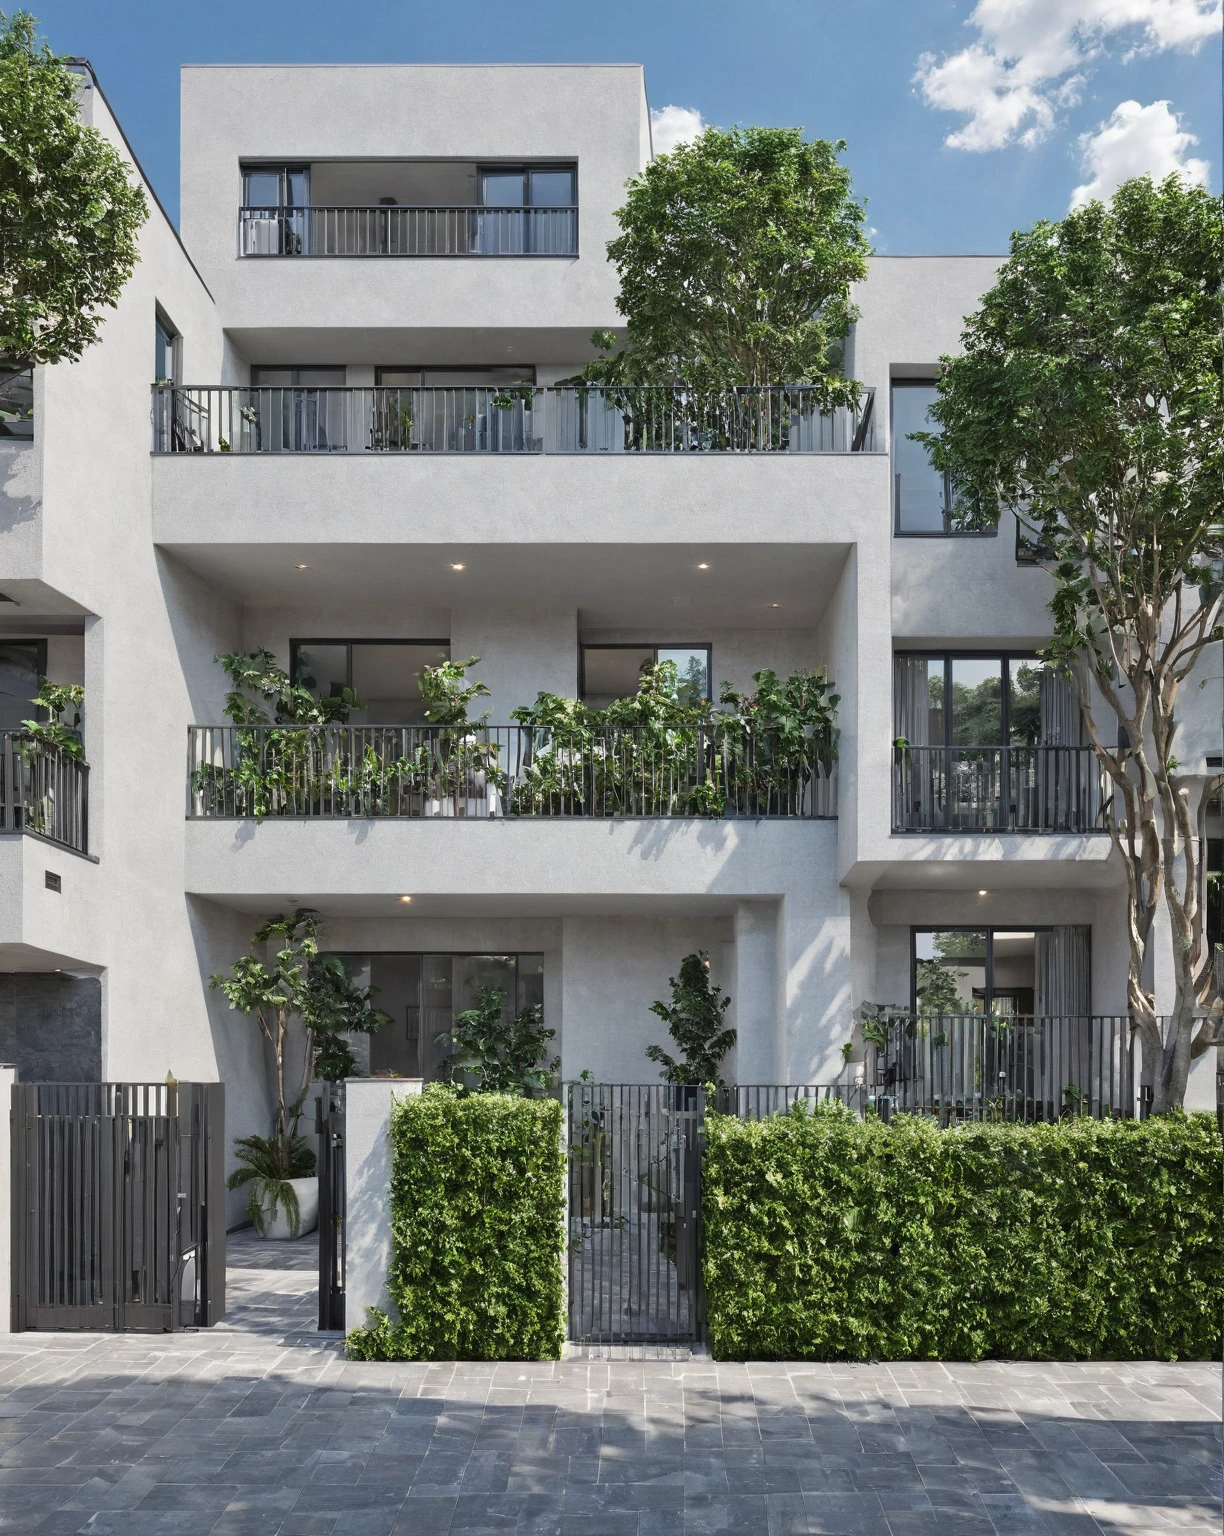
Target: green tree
1088,401
695,1020
503,1054
297,983
69,215
736,257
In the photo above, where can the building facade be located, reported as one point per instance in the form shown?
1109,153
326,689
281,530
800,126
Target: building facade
330,421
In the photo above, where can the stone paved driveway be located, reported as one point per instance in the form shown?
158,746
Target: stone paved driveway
262,1427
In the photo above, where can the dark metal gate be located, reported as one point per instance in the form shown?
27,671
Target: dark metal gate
634,1212
118,1206
329,1124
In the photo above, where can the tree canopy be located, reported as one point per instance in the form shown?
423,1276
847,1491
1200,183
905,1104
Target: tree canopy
736,257
1089,402
69,214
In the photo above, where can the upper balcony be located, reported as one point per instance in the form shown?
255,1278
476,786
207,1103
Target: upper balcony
513,419
44,791
408,208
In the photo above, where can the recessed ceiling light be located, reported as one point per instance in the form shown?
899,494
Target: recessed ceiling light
303,567
405,898
983,893
703,565
775,605
459,566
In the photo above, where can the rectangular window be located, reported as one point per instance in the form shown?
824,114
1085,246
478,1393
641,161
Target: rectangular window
384,674
1004,972
22,663
165,350
922,495
423,993
504,376
276,186
955,700
615,671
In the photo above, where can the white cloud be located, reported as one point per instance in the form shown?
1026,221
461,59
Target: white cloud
670,126
1029,59
1136,141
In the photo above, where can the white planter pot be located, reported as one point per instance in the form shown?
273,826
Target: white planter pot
439,807
307,1192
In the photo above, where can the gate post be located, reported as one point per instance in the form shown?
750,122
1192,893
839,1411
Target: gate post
8,1206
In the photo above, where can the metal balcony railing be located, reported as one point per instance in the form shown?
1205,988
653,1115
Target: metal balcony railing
1007,1067
481,771
999,789
408,231
522,419
43,789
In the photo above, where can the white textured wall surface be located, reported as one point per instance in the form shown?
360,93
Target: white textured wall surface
591,114
367,1172
8,1076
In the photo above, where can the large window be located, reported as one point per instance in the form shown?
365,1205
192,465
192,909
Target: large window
536,186
923,503
1002,971
614,671
423,993
22,663
384,674
953,700
276,186
165,350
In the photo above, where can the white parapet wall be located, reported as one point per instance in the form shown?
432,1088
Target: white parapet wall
367,1172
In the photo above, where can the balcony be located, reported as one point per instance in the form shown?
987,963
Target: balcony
484,772
43,790
1005,1066
415,231
999,789
521,419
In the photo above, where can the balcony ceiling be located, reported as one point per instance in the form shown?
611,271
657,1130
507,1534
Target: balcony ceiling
353,904
389,347
611,585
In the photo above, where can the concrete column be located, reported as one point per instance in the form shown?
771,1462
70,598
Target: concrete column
8,1076
759,993
367,1173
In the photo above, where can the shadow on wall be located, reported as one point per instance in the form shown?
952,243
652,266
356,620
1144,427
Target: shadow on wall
204,624
51,1026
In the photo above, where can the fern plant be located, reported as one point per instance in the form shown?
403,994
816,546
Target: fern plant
268,1163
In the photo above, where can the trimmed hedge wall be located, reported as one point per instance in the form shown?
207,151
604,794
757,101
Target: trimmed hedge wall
477,1219
829,1238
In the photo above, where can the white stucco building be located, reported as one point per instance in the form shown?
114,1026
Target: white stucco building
371,258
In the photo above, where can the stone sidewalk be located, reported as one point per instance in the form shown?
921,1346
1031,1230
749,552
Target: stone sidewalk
262,1427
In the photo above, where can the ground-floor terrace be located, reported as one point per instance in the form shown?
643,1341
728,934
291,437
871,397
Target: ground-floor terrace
261,1425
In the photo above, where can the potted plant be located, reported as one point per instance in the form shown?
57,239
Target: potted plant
463,778
315,991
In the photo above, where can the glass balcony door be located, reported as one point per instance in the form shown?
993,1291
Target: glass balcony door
527,211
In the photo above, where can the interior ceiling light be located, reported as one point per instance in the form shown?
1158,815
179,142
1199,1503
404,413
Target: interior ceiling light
459,566
405,898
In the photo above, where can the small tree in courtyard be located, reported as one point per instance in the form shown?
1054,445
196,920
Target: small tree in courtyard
736,257
696,1021
1088,402
69,214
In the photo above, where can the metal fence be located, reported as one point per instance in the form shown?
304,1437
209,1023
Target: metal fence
43,789
118,1206
999,789
1007,1067
517,419
480,772
408,231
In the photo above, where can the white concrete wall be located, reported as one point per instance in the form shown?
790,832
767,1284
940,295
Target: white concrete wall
590,114
367,1171
8,1076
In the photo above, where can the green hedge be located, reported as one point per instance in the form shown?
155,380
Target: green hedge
477,1216
829,1238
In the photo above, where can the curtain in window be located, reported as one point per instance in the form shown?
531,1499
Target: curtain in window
915,774
1062,979
1066,776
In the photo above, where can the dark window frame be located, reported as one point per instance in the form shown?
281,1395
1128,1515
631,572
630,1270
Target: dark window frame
642,645
446,368
40,646
990,929
491,168
947,531
349,642
174,340
948,657
282,169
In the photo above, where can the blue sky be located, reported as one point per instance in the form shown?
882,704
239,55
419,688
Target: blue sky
1039,97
